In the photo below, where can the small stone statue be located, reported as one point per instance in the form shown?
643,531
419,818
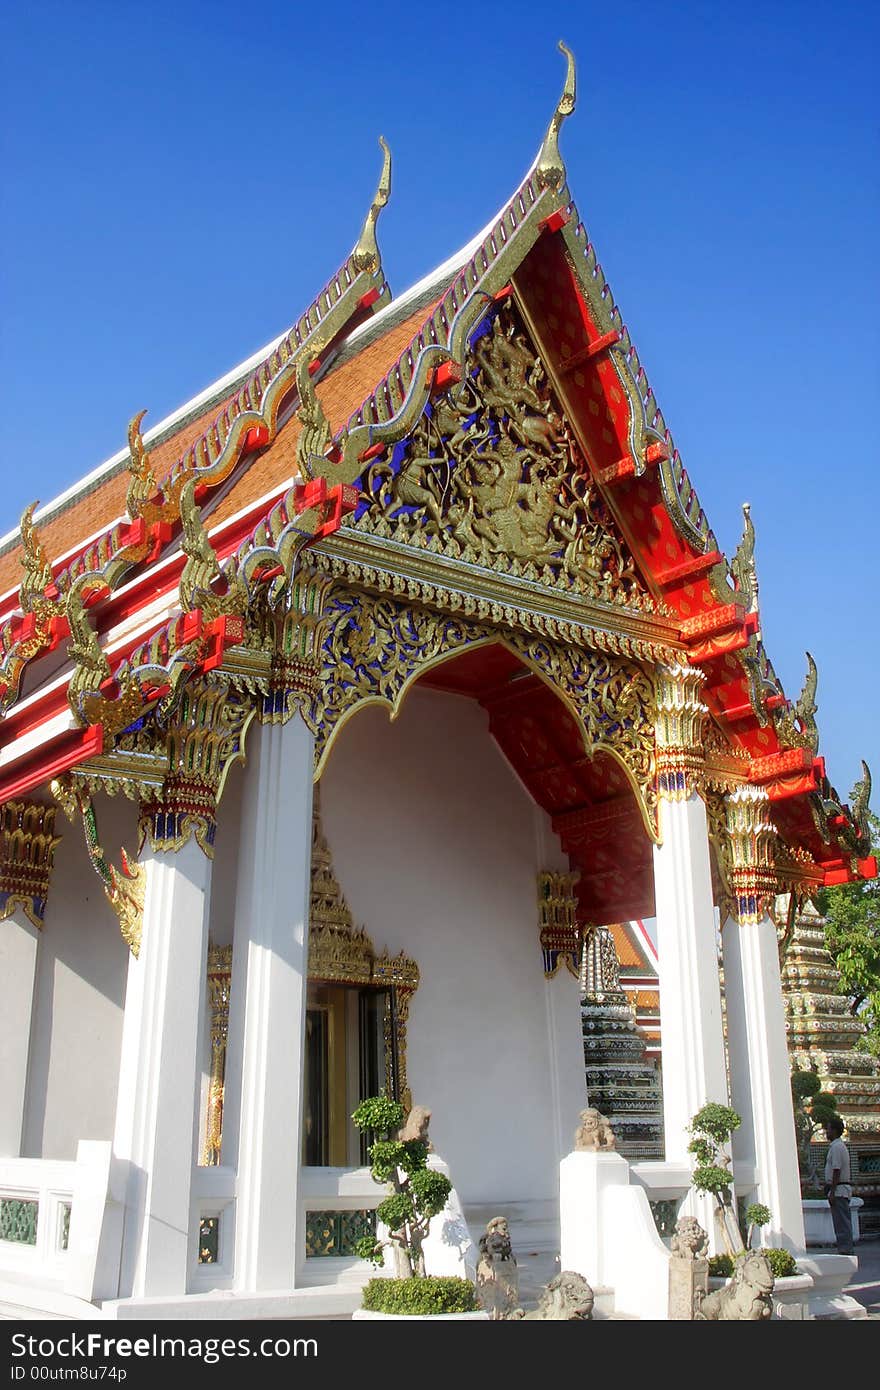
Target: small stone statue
594,1134
689,1240
688,1270
749,1295
566,1298
497,1276
416,1126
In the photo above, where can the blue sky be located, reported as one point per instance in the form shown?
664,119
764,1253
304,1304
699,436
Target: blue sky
181,179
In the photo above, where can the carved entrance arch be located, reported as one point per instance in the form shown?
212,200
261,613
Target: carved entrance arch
375,648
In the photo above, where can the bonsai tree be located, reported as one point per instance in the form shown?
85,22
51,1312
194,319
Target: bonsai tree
711,1129
757,1215
416,1194
813,1108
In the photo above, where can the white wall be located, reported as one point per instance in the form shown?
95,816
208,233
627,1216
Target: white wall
80,992
436,846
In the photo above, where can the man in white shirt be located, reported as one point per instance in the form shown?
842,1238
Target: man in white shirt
837,1186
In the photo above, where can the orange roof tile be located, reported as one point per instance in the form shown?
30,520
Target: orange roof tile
98,508
340,392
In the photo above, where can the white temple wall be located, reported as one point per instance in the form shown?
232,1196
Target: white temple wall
436,847
82,962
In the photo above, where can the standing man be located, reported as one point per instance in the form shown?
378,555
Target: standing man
837,1186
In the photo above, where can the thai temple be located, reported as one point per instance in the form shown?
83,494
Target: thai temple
340,709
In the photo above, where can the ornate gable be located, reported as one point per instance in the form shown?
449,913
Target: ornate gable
492,476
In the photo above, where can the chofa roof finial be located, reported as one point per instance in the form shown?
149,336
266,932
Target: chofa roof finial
550,170
366,252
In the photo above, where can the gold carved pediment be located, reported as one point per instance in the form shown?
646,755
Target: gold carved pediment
492,476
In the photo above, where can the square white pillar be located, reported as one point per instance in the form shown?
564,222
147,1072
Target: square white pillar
264,1075
155,1136
694,1070
759,1076
19,939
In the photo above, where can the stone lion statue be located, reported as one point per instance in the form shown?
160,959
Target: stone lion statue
566,1298
497,1275
749,1295
594,1134
689,1240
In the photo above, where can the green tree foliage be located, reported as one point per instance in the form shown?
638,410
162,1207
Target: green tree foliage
852,913
813,1108
416,1192
711,1129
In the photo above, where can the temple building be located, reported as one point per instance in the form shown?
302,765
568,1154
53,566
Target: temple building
437,558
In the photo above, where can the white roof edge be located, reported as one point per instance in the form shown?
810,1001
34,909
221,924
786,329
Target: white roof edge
397,307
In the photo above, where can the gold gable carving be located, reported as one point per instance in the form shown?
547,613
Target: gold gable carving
491,476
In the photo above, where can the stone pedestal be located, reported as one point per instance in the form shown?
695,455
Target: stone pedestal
584,1179
688,1282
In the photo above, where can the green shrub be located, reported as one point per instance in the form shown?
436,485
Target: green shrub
380,1114
718,1121
711,1177
431,1295
782,1262
757,1214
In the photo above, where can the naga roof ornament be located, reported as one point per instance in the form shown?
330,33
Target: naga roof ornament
550,170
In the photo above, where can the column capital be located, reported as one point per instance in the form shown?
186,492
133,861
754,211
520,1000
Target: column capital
678,726
205,736
296,670
751,837
27,854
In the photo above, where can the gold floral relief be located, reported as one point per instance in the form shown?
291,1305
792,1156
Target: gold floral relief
376,648
491,475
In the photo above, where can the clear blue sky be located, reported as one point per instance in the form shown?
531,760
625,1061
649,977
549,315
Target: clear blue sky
180,179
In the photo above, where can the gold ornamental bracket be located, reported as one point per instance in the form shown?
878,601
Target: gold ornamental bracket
561,935
219,992
27,855
125,888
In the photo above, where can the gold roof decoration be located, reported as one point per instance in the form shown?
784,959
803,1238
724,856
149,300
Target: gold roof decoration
338,950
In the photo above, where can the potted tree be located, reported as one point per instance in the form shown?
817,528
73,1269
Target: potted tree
711,1129
416,1194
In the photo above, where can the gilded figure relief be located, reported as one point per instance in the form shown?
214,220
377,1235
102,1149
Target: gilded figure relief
492,475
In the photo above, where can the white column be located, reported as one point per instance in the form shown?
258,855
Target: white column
155,1136
568,1077
759,1076
18,971
264,1077
690,994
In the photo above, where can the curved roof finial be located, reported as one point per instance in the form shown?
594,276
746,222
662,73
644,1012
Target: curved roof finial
550,170
366,253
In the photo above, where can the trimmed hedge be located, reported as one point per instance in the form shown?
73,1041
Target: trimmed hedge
432,1294
782,1263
